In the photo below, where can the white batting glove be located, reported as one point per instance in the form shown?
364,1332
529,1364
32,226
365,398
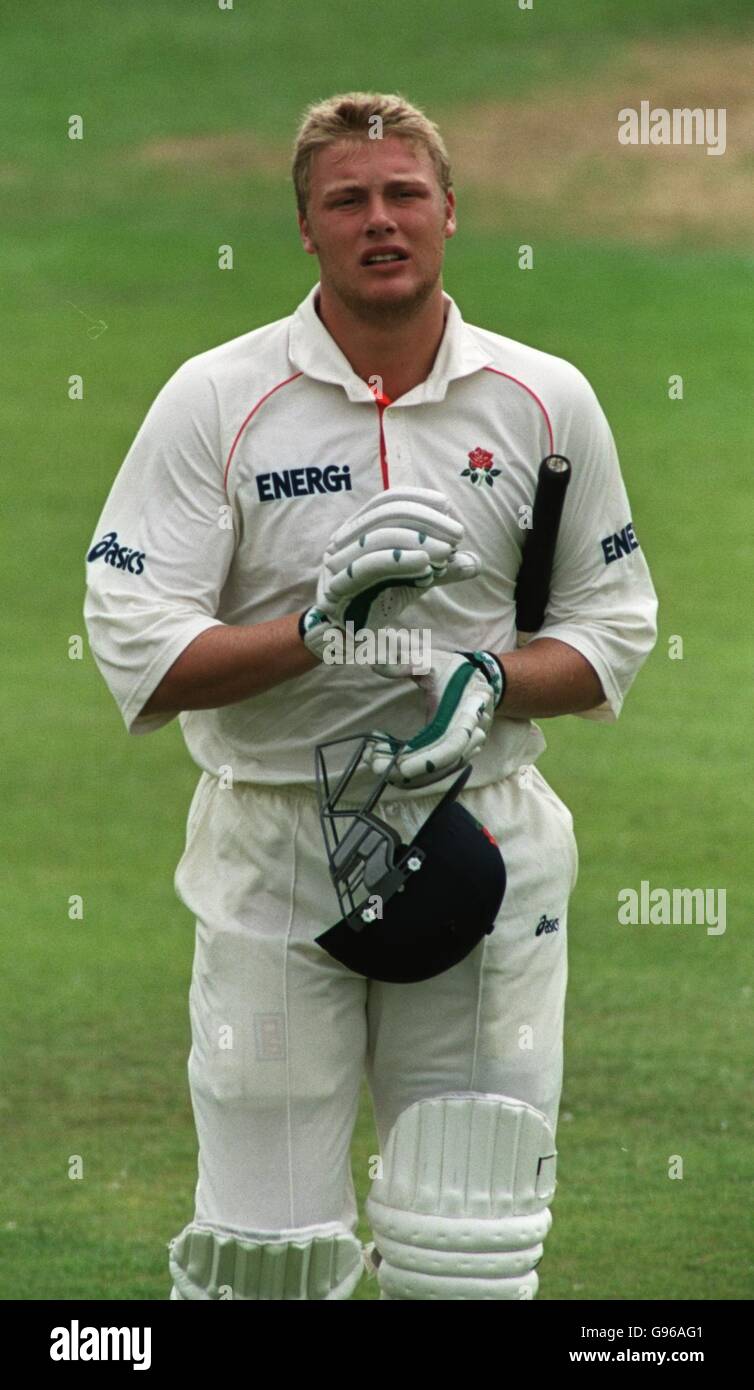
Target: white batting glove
462,691
398,545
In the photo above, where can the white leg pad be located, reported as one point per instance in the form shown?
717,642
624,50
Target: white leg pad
307,1262
461,1209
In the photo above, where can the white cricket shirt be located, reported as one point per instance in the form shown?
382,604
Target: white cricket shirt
256,451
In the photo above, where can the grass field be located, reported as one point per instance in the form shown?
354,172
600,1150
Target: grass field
189,112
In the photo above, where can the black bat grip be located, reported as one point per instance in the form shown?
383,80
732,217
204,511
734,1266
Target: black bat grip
535,575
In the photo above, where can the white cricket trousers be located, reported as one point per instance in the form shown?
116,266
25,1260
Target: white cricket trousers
282,1034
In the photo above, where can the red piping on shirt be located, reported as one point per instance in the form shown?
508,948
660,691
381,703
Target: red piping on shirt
251,413
534,396
382,401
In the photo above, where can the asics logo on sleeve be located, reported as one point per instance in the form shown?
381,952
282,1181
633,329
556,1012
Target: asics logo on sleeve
121,557
301,482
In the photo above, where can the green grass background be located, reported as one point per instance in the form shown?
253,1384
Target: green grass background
93,1014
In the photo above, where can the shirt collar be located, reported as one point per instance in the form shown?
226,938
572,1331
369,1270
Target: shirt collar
313,351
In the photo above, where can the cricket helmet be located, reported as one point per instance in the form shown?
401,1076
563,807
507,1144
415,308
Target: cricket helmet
410,911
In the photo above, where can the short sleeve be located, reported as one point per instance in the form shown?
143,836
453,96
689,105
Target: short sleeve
602,599
162,548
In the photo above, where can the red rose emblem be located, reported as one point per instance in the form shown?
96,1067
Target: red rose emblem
480,467
480,458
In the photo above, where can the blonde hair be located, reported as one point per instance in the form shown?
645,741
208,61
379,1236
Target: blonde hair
350,115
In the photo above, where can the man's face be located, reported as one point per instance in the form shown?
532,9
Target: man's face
368,197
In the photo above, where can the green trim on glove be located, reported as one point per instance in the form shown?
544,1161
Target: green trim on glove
445,710
492,667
